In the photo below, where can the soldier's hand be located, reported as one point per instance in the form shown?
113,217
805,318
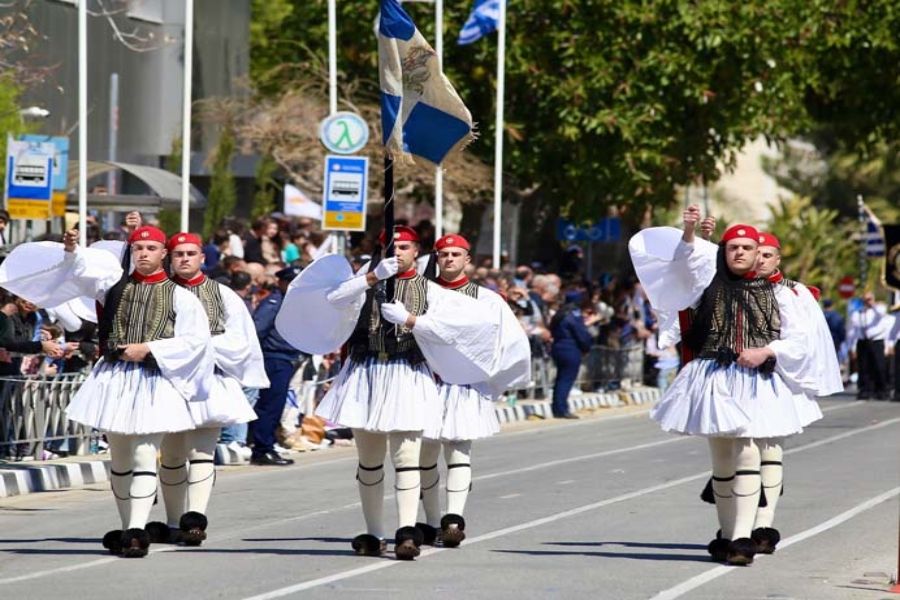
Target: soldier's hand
691,218
133,220
70,240
134,352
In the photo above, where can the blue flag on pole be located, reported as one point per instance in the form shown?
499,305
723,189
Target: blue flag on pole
482,20
874,235
421,113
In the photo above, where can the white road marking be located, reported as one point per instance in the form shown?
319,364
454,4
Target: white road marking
694,582
508,496
341,575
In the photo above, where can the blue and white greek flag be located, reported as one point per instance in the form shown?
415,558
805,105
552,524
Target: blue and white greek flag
482,20
873,238
421,113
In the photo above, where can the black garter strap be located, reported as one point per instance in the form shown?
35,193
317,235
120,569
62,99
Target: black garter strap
459,465
769,463
432,467
122,474
381,466
172,468
370,469
738,473
405,469
722,479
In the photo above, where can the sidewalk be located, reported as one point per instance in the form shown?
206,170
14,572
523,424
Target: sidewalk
17,478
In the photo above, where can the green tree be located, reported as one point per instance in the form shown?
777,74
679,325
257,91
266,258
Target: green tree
264,198
619,102
222,196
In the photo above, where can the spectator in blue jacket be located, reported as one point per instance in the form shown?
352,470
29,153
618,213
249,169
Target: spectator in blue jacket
279,358
571,340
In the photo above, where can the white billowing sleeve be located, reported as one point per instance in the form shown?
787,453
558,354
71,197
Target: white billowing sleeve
672,273
828,370
349,291
45,274
460,337
308,319
237,350
793,360
187,359
513,368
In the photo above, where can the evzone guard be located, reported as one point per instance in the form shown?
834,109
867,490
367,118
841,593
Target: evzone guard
386,391
824,361
468,410
751,376
156,358
187,470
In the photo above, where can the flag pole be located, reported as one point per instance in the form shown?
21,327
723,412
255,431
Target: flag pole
498,147
186,114
438,172
389,218
82,122
864,241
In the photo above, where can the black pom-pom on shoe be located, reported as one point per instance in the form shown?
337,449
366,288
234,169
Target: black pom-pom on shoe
193,528
718,549
453,529
368,545
429,533
135,543
765,538
741,552
159,533
112,541
407,541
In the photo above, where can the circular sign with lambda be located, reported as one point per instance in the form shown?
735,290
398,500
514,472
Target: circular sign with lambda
344,133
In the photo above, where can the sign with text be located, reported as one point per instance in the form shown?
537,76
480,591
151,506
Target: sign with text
29,179
604,230
60,169
345,192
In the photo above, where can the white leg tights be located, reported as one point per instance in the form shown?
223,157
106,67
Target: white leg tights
201,449
173,476
371,448
143,479
746,486
772,474
458,455
431,493
736,484
120,451
405,450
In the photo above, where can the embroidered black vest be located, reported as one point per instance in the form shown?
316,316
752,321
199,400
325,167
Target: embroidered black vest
374,338
210,296
145,313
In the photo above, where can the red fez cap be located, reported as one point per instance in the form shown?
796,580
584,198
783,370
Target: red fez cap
452,240
402,233
740,231
767,239
147,233
184,238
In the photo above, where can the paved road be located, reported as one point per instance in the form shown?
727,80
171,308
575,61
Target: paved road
600,508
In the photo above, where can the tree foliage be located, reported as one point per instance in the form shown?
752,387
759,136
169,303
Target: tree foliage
618,102
222,196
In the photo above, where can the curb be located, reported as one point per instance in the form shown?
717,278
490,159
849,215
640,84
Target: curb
26,478
23,478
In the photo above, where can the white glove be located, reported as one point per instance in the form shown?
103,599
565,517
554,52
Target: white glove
387,268
394,312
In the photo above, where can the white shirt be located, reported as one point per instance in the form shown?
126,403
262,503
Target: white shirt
870,323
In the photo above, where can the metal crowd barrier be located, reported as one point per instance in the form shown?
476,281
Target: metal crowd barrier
603,368
32,416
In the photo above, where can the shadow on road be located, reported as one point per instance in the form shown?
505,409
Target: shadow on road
67,540
658,546
631,555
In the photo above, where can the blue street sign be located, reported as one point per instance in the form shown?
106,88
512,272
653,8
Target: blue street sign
604,230
344,193
60,159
